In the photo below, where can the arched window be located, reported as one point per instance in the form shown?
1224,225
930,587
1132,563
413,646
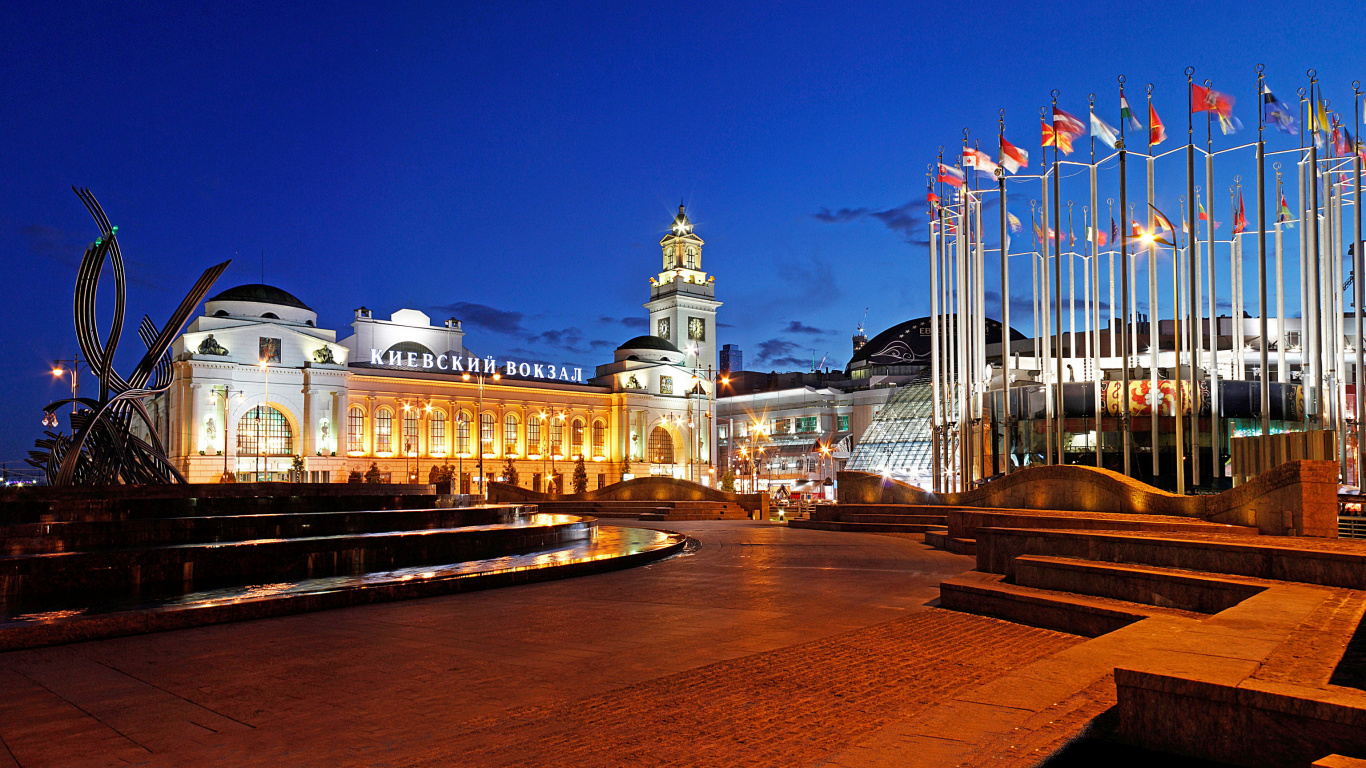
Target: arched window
692,257
599,439
384,431
557,437
576,438
462,433
661,446
436,434
510,433
533,435
486,432
410,445
264,431
355,429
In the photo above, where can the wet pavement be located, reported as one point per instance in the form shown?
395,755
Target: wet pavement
432,681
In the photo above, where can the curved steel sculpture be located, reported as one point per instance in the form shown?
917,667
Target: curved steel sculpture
103,448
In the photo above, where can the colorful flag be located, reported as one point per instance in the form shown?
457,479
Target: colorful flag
932,198
1209,100
1114,231
950,175
1047,132
1200,214
1157,132
1067,123
979,160
1277,113
1229,124
1012,157
1239,220
1126,114
1101,130
1342,141
1061,139
1015,225
1161,220
1135,230
1282,211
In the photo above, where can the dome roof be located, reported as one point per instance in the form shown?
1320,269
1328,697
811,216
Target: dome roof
681,225
908,343
264,294
650,342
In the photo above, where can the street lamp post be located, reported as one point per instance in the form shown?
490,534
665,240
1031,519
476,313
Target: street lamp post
224,393
479,422
260,445
74,366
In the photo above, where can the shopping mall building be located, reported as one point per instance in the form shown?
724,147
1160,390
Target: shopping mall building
258,386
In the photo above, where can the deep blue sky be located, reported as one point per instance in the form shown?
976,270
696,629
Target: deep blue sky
514,164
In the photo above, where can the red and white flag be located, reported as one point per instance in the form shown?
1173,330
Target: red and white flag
1065,123
950,175
979,160
1012,157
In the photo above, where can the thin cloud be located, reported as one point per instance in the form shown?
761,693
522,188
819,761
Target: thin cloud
842,215
910,220
486,317
797,326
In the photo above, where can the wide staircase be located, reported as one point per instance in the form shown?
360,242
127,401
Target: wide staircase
67,577
876,518
647,510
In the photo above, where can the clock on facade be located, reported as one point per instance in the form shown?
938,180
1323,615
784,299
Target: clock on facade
697,329
663,328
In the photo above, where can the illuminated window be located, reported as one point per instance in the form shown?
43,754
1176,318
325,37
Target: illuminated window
486,432
410,444
462,433
510,433
556,437
843,421
661,446
599,438
355,429
576,438
436,433
264,431
533,434
692,257
384,431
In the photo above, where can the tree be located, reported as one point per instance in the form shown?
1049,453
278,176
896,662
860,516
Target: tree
580,476
298,467
436,475
372,474
728,482
509,472
354,476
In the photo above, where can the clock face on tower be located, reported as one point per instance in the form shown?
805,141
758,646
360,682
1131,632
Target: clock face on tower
663,328
697,329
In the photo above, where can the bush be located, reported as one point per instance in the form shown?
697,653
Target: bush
509,472
728,482
372,474
580,476
355,477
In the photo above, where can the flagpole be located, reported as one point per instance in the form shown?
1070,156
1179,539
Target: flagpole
1281,375
1236,267
1303,255
1178,418
1154,312
936,420
1114,324
1093,309
1057,288
1192,285
1216,465
1125,329
1314,280
1071,295
1358,270
1006,448
1261,275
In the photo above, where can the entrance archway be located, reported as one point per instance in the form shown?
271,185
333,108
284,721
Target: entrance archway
661,446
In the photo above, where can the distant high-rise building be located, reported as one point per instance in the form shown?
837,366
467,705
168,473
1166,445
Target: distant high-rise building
732,359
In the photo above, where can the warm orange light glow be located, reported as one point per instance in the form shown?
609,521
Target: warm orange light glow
57,371
465,376
497,376
262,364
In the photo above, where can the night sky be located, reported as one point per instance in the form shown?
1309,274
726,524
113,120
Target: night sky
515,164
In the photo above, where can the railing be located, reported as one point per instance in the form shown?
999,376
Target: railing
1351,527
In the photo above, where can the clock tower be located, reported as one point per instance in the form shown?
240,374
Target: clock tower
683,298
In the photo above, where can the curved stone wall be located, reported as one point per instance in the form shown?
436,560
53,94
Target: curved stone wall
1295,498
636,489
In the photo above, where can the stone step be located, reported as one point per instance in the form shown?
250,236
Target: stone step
988,594
36,538
1328,562
964,523
1159,587
837,525
56,581
940,520
940,539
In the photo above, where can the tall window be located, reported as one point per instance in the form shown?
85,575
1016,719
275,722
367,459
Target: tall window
486,432
533,435
576,438
264,431
410,444
599,439
661,446
384,431
843,421
462,433
355,429
692,257
556,437
436,434
510,433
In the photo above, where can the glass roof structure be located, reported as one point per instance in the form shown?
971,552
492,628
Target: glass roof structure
899,441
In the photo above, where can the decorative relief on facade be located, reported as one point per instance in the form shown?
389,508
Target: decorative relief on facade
324,356
210,346
666,385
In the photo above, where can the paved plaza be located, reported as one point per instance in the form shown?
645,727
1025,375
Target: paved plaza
766,646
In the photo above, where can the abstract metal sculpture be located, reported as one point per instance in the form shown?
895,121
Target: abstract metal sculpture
103,447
